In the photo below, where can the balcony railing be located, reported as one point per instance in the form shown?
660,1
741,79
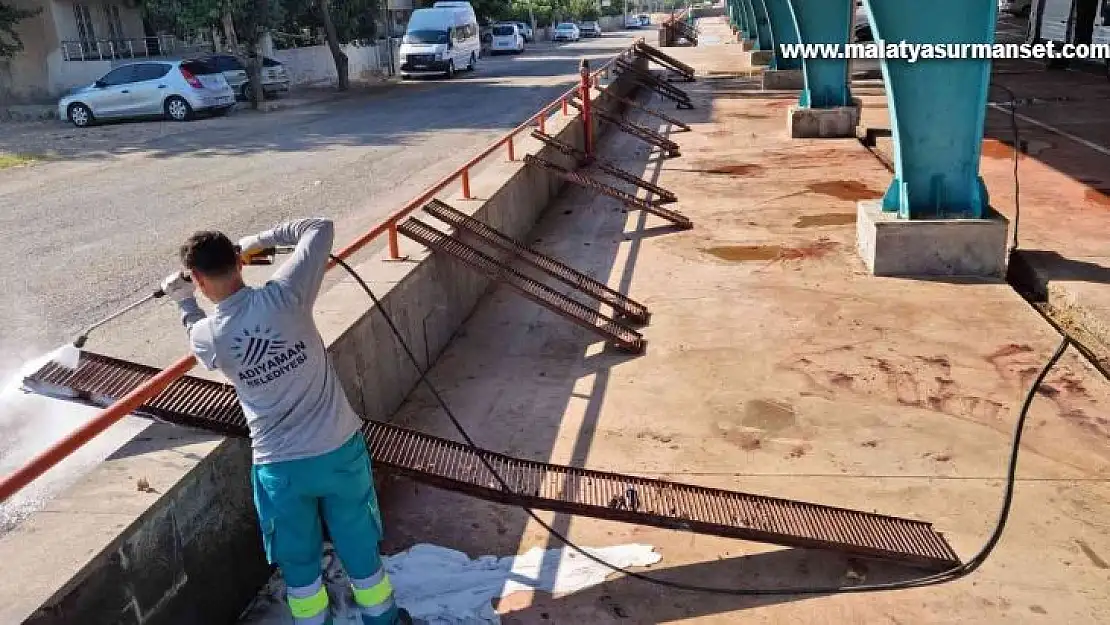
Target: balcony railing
131,48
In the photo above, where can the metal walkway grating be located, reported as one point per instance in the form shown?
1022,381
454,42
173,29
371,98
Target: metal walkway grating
648,79
611,330
663,195
666,60
640,132
455,466
621,303
646,109
675,217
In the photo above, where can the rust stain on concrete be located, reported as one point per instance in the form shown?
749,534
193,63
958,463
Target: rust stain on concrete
851,190
996,149
826,219
1097,196
746,253
737,169
1092,555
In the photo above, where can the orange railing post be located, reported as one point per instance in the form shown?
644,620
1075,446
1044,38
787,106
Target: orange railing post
466,183
512,153
587,114
543,118
394,246
566,110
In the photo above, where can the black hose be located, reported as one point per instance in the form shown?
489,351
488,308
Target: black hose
1017,155
927,580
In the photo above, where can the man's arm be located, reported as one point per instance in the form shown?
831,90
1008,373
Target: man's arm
180,289
303,273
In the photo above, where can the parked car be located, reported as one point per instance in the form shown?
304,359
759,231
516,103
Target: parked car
441,40
631,21
1021,8
526,30
275,79
173,89
507,38
566,32
645,19
590,29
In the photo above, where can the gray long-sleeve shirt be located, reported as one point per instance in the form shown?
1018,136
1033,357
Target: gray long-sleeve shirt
265,342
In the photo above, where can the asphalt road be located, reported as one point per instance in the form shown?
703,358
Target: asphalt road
92,230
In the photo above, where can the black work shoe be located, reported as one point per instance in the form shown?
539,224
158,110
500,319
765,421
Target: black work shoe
403,617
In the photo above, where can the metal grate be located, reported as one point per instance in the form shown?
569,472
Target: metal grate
644,134
455,466
666,60
650,111
663,195
622,304
648,79
675,217
612,331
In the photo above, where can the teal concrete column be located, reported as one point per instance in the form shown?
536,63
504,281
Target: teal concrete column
738,16
783,31
763,26
824,21
937,106
751,30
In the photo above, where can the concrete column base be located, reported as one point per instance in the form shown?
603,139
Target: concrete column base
835,123
891,246
760,58
783,79
745,44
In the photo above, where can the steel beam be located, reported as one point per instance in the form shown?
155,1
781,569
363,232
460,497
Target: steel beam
784,32
826,79
937,106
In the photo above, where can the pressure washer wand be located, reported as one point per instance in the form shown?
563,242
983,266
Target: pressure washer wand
261,257
82,338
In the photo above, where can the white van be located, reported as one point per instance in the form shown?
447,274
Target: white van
440,40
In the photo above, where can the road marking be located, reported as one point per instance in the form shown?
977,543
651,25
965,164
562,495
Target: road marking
1101,149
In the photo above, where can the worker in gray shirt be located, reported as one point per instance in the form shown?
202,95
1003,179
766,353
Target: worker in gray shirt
309,459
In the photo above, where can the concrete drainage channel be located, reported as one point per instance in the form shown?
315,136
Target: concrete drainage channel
192,554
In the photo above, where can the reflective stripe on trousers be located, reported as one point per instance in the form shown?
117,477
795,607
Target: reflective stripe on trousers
309,604
374,596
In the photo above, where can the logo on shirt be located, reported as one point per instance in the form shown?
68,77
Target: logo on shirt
251,348
265,356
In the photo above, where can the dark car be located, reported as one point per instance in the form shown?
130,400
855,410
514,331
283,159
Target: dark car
590,29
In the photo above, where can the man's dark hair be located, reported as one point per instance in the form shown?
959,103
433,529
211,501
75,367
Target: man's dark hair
210,253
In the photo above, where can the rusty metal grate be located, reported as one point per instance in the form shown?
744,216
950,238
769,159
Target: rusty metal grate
612,331
640,132
648,79
675,217
666,60
663,195
454,466
646,109
621,303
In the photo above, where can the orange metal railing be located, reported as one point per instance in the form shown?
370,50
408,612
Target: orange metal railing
21,477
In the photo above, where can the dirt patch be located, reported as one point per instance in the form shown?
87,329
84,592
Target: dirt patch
1092,555
770,416
850,190
826,219
746,253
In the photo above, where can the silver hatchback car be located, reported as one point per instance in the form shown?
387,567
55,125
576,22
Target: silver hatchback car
173,89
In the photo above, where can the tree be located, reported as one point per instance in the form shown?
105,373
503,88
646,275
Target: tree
10,42
337,53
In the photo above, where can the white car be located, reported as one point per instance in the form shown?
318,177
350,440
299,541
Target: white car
566,32
440,41
506,38
631,21
169,89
